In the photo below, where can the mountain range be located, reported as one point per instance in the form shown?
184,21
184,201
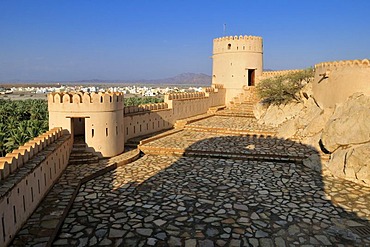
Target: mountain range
181,79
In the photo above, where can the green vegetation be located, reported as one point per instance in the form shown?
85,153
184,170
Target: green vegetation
21,121
135,101
283,89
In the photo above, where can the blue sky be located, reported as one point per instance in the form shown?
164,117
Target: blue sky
66,40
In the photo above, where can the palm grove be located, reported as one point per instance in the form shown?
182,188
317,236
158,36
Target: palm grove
22,120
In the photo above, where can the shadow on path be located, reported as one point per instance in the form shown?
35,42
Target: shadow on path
219,201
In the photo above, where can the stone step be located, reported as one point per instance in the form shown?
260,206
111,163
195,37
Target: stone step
83,160
79,154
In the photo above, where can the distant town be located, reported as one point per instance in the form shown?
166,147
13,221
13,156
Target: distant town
186,82
39,92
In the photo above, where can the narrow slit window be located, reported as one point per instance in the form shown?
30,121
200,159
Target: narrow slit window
106,131
92,133
15,215
3,225
31,194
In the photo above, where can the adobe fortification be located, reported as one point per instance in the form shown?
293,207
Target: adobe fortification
345,77
237,62
96,116
105,124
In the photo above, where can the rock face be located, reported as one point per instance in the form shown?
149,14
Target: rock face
350,124
343,131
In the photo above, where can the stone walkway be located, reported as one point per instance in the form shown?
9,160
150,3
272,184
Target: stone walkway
44,223
189,201
228,145
235,189
231,124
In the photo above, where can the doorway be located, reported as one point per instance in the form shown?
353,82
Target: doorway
78,130
251,77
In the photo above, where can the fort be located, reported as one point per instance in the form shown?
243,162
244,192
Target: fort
55,166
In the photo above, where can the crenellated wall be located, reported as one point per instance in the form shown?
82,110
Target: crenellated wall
85,102
237,62
238,43
268,74
96,116
18,157
151,118
336,81
27,174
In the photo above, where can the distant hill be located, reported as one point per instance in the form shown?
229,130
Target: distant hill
185,78
181,79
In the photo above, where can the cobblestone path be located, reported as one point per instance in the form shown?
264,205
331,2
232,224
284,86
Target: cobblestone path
229,145
228,192
225,123
188,201
44,222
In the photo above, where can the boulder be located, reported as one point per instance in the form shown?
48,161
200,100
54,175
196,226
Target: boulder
276,115
352,163
350,124
259,110
358,160
336,163
314,162
318,123
309,113
287,129
312,141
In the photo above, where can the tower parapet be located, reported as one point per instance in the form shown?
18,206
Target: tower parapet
237,62
86,102
98,117
237,44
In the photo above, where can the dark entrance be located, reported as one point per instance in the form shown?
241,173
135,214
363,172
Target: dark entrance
78,129
251,73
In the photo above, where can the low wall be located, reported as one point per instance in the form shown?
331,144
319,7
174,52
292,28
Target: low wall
145,122
336,81
18,157
22,191
151,118
269,74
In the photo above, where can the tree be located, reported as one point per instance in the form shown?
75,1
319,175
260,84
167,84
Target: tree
21,121
284,88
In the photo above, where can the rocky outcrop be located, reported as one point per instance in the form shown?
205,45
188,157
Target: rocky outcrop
350,124
343,131
347,136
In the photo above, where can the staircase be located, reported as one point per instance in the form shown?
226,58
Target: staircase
80,155
242,105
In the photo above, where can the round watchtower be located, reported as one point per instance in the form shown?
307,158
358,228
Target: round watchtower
95,117
237,61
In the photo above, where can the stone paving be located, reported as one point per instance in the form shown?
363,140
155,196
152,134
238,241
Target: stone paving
190,201
44,222
231,200
235,124
224,145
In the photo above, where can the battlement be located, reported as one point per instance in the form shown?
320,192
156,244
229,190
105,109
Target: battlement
218,86
237,44
267,74
345,63
145,107
85,102
185,96
16,159
240,37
